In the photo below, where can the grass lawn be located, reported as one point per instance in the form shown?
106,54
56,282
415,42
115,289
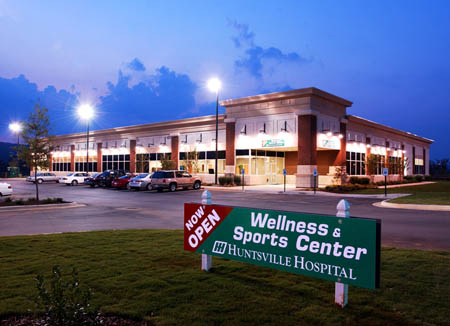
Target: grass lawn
146,274
430,194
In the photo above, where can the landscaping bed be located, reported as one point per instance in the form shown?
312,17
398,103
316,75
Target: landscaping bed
146,275
30,201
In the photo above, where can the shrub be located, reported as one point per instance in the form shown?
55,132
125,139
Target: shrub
359,180
65,302
19,202
222,181
409,178
418,178
237,180
428,178
345,188
8,200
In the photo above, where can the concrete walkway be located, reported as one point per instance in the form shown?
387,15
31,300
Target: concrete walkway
387,204
407,184
292,190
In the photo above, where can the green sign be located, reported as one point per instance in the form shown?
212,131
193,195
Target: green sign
273,143
345,250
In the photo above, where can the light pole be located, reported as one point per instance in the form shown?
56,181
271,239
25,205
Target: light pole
16,128
214,86
86,112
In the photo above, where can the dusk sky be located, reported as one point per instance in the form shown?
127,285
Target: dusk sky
149,61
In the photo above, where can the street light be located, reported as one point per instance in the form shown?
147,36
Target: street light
16,128
86,112
214,85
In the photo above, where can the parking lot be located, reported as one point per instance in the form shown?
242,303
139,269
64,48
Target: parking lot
123,209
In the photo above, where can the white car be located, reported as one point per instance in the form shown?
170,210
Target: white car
43,177
5,189
74,178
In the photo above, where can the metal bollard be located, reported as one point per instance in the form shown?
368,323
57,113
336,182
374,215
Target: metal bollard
340,289
206,259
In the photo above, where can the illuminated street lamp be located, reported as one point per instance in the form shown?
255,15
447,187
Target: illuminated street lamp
16,128
86,112
214,85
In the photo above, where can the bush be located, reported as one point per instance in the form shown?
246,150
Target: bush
428,178
418,178
65,302
8,200
19,202
409,178
345,188
225,181
359,180
237,180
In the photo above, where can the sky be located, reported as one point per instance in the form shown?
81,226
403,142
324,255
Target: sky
148,61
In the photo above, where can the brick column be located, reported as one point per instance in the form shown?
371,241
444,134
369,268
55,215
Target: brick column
72,158
50,163
402,164
133,155
368,152
413,160
341,158
175,144
230,152
99,157
307,149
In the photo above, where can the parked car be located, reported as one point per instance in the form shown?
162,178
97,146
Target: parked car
89,180
74,178
5,189
122,182
173,180
43,177
142,182
106,178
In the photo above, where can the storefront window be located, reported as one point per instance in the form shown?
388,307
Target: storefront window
356,163
80,163
202,162
116,162
61,164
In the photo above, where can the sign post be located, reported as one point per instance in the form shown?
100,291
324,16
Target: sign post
341,289
385,173
315,179
243,179
284,177
206,259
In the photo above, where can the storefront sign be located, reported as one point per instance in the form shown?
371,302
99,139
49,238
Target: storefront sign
329,143
273,143
345,250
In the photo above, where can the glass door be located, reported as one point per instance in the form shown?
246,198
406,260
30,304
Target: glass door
271,170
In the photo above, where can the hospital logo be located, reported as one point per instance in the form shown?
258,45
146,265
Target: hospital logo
219,247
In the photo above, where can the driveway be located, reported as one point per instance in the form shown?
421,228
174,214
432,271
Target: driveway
122,209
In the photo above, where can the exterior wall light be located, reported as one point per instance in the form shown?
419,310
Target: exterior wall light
244,130
284,129
184,141
200,139
341,136
263,131
329,134
164,141
368,145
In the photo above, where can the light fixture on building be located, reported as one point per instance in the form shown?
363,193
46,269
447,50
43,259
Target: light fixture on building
329,134
244,130
163,141
200,139
284,129
387,149
368,145
341,136
263,130
184,141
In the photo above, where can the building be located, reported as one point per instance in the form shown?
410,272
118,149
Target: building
299,130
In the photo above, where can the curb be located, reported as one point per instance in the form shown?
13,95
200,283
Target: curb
408,184
386,204
40,207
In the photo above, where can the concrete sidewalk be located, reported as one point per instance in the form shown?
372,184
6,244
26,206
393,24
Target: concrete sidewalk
292,190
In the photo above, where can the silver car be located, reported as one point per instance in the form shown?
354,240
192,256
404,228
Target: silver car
43,177
142,182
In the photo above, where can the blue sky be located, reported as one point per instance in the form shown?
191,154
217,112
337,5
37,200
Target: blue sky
146,61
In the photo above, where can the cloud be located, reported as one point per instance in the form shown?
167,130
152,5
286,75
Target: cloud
244,36
257,59
162,95
136,65
18,96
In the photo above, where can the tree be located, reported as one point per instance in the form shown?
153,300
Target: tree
38,146
167,164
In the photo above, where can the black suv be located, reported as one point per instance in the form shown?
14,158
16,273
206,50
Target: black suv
106,178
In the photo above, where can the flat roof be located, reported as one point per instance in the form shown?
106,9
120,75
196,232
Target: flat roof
370,123
302,92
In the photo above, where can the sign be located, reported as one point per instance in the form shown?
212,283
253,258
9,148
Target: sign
315,172
273,143
284,172
345,250
243,171
385,171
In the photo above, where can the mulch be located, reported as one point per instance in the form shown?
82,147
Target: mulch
35,321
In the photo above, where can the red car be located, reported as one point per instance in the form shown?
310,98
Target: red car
122,182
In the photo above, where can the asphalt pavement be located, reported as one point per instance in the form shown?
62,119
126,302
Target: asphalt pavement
108,209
